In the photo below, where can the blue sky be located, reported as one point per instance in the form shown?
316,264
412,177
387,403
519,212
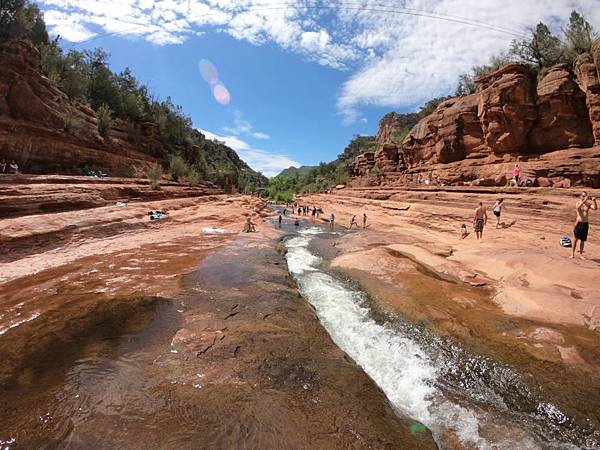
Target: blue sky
303,77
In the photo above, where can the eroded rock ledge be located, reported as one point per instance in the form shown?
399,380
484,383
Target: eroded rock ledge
551,125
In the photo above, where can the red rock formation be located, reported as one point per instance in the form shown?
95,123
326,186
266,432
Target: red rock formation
32,124
364,163
587,71
387,158
506,108
449,134
391,124
510,116
563,119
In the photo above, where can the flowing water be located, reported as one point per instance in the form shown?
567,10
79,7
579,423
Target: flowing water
457,395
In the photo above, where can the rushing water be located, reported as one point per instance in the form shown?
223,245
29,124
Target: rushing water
413,375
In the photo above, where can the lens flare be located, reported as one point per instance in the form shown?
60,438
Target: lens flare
208,71
221,94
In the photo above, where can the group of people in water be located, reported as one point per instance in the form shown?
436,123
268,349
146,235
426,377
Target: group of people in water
315,212
583,206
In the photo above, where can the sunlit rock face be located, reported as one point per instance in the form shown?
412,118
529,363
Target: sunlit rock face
513,115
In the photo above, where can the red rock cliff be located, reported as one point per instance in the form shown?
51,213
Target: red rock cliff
510,116
32,124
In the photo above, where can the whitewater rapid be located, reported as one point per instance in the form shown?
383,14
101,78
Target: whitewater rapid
398,364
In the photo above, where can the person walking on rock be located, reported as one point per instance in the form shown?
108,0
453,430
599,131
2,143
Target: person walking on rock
583,206
353,222
498,208
480,220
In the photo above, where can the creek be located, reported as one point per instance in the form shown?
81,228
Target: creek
482,403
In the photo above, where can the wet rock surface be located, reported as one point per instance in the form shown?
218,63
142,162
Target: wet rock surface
126,353
429,282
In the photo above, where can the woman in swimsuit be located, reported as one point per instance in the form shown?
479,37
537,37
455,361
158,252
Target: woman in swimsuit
498,210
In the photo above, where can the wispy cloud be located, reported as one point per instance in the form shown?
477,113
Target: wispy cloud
393,55
243,126
268,163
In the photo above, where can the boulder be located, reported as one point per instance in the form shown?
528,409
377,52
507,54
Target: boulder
544,182
387,157
562,119
363,163
506,108
587,69
449,134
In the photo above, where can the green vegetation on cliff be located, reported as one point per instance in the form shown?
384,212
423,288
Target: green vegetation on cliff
321,178
85,76
541,50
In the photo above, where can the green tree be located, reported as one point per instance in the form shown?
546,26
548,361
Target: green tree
74,78
543,49
20,19
104,114
579,35
466,85
9,15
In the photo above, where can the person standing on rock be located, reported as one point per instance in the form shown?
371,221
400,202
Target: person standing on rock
364,220
498,207
480,220
516,174
331,221
279,219
582,225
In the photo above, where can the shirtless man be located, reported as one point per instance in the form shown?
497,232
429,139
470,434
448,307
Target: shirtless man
582,226
480,220
331,221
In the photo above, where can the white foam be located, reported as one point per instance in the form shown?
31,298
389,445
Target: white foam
16,322
213,230
399,366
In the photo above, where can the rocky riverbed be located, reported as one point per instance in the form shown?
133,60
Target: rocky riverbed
180,333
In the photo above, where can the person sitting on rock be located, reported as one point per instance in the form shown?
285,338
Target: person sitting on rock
13,167
249,227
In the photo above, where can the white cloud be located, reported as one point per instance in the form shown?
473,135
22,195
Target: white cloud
259,135
242,126
269,164
394,56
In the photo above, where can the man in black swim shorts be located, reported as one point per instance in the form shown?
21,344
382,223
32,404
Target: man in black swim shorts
582,226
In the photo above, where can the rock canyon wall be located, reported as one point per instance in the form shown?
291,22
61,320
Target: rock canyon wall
34,132
46,132
551,125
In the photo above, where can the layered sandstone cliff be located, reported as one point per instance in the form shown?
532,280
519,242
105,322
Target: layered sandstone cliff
45,131
33,128
511,116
